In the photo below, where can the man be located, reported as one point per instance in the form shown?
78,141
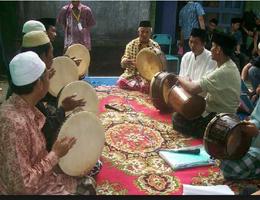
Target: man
26,166
248,166
212,26
130,79
198,62
238,57
222,87
190,16
77,20
49,24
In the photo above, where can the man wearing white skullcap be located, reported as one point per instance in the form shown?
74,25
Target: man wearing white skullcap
26,166
33,25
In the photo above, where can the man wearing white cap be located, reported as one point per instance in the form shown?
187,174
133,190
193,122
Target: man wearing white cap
33,25
26,166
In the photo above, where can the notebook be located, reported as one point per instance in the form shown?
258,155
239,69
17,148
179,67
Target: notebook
179,161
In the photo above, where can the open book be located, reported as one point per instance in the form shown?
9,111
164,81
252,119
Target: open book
185,160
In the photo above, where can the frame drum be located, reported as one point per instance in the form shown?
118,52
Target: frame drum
149,61
84,91
89,132
79,51
66,72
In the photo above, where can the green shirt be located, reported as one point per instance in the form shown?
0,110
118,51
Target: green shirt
223,88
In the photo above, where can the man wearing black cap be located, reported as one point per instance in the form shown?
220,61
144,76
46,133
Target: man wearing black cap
49,24
197,62
222,87
130,79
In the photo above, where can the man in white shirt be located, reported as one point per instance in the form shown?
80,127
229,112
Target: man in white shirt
197,62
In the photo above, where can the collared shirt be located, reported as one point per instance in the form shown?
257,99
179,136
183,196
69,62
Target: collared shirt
131,51
188,18
223,87
26,166
197,67
70,24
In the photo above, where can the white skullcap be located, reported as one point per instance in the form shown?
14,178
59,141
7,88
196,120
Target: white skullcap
25,68
33,25
259,45
35,39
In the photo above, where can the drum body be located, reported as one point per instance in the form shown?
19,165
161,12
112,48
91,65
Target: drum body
160,86
89,132
224,138
80,52
83,90
66,72
189,106
149,61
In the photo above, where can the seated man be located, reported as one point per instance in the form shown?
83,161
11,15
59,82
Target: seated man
49,24
222,87
130,79
197,62
248,167
26,166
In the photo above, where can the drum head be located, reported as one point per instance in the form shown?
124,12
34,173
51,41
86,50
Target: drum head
84,91
79,51
89,132
66,72
149,63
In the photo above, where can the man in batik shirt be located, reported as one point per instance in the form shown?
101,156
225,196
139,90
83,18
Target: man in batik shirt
77,20
131,79
26,166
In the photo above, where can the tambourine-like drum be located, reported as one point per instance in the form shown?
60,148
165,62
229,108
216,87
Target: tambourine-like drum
83,90
80,52
224,138
149,61
189,106
160,87
66,72
89,132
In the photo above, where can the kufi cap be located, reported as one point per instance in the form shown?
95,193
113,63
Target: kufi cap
47,22
235,20
145,24
33,25
25,68
200,33
225,41
259,45
35,39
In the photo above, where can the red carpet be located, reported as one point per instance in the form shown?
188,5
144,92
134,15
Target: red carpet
131,164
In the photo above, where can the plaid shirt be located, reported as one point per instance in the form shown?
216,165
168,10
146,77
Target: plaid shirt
246,168
131,51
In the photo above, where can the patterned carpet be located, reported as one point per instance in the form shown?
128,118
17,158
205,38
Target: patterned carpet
134,133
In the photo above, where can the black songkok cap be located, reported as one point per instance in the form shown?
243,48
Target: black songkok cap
225,41
235,20
47,22
200,33
145,24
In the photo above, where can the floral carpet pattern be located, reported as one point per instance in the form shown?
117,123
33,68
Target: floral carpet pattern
134,131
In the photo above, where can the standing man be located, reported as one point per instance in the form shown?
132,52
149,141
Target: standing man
190,16
77,20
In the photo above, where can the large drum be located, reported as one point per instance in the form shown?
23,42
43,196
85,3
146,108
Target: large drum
189,106
89,132
226,138
160,87
66,72
83,90
79,52
149,61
